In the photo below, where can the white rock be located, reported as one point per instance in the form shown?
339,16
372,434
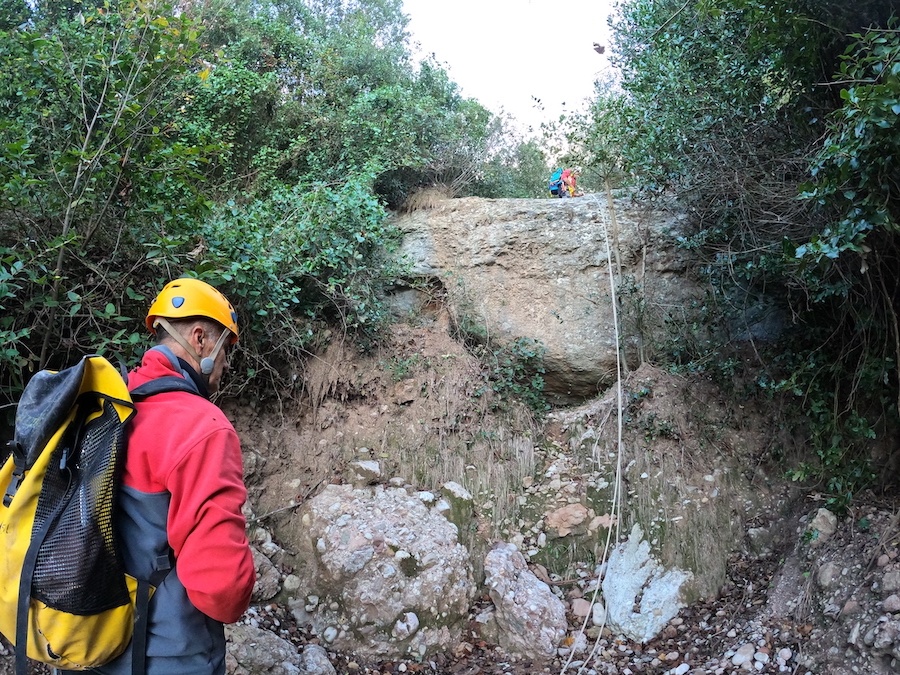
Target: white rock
633,573
531,620
315,661
456,490
743,655
821,527
366,471
406,626
394,561
291,583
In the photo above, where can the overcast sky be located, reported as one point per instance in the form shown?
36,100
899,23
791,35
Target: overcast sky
503,52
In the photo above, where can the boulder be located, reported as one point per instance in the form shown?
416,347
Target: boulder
268,578
539,268
530,619
254,651
635,579
314,661
381,573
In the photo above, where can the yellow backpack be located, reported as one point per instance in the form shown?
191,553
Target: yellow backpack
65,598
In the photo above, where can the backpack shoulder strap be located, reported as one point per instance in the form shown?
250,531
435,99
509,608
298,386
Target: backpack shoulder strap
162,385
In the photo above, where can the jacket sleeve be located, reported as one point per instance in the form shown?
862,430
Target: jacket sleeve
207,529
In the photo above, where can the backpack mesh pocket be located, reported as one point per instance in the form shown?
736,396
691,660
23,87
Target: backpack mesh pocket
80,545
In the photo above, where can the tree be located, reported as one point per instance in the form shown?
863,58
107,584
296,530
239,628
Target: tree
84,146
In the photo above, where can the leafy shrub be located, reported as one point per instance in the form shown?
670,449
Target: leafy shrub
302,256
236,141
514,371
722,105
517,369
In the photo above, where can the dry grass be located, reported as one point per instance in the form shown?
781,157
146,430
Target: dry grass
426,199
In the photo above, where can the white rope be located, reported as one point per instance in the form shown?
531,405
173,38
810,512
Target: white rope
616,508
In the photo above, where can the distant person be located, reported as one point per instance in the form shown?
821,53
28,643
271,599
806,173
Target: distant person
569,179
566,181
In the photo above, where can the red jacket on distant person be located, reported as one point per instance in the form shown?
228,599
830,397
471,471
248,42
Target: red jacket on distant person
568,179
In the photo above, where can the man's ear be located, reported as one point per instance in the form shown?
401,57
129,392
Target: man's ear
196,336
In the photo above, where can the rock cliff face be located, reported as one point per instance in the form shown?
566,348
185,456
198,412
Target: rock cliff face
541,269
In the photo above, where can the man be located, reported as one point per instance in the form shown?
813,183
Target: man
183,489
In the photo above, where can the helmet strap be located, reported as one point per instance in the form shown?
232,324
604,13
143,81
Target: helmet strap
207,364
179,338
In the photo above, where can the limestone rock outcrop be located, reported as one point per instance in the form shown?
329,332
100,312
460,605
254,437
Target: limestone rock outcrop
641,596
540,268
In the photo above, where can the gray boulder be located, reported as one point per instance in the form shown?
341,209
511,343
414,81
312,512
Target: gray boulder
382,574
530,620
539,268
254,651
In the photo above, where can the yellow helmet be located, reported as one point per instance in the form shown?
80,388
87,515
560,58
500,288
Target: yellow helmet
183,298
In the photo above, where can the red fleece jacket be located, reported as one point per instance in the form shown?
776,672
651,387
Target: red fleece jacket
183,444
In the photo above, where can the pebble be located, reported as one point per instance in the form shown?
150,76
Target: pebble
743,655
892,603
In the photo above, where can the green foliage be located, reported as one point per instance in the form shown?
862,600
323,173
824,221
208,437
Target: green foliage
855,172
708,87
849,268
14,357
837,435
516,370
402,367
723,105
230,107
252,144
82,110
516,168
81,153
298,258
13,13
